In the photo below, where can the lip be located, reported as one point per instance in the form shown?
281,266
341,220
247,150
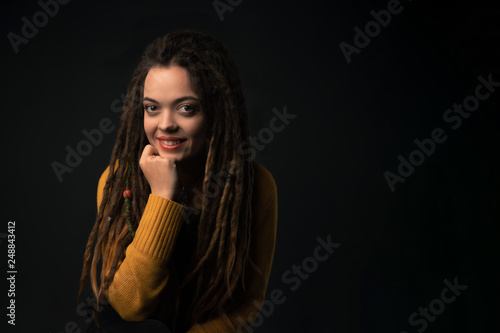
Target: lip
170,138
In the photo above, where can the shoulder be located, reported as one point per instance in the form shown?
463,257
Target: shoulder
105,174
264,189
263,177
102,183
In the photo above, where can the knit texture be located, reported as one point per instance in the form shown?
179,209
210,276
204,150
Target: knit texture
136,290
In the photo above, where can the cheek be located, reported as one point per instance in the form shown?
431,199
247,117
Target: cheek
199,131
146,123
149,127
197,134
195,128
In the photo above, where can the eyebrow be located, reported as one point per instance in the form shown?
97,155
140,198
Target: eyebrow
177,101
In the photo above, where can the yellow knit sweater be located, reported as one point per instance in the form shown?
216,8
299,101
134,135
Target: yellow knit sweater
136,290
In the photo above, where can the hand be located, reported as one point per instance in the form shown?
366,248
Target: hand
160,172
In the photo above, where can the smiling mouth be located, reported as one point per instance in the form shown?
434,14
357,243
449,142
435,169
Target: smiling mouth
171,143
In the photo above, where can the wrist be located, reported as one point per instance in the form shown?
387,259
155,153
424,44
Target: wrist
166,194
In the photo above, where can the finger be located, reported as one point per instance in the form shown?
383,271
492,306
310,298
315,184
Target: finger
149,150
155,151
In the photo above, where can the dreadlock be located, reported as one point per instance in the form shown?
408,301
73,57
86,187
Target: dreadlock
222,249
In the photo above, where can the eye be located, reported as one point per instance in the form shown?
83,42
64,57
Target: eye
150,108
186,108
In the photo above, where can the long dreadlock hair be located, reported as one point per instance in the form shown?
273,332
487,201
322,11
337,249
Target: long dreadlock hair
222,248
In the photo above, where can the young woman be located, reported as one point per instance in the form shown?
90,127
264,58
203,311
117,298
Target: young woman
186,223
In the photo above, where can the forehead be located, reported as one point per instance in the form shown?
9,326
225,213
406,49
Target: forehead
167,83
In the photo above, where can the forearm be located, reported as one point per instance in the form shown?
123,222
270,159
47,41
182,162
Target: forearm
142,276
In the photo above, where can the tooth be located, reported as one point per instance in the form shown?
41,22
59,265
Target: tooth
170,143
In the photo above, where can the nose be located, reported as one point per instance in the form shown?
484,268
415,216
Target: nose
167,121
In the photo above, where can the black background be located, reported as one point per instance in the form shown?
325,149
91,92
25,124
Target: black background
352,121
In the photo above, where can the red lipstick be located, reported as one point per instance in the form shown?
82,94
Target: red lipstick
170,142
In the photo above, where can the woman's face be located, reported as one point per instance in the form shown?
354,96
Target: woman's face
173,119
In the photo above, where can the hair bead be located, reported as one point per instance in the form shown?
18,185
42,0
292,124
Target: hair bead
127,195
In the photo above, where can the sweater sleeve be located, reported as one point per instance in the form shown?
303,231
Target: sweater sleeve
244,310
138,282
